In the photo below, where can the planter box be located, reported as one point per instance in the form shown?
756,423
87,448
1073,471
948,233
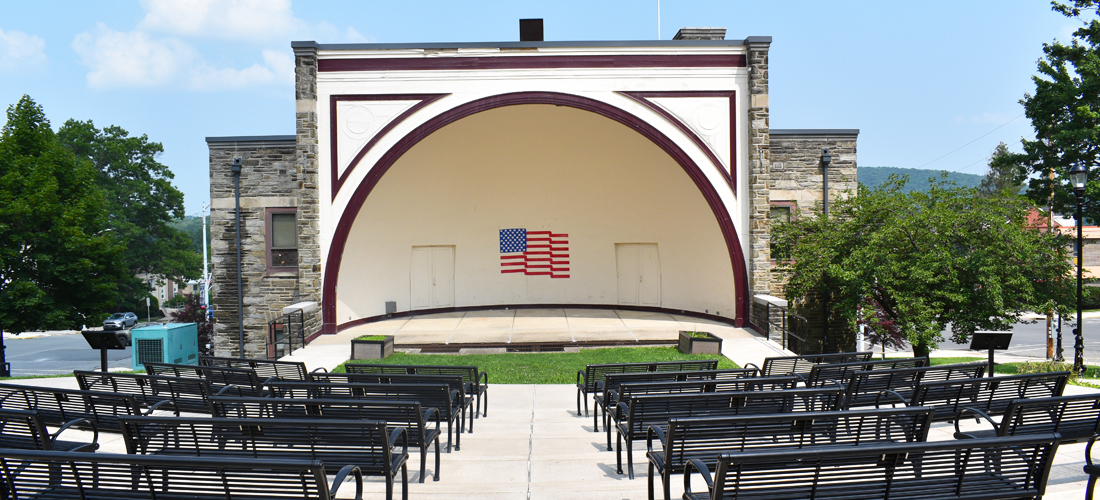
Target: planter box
372,349
700,345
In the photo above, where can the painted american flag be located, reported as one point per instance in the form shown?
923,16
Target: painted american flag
534,253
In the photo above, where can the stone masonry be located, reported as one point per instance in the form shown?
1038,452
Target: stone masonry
309,209
759,141
269,179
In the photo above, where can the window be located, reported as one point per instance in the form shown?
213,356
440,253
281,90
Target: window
781,211
282,239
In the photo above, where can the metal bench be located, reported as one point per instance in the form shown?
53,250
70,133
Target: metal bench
24,429
990,395
408,414
245,381
59,407
786,365
151,391
58,475
455,382
611,382
627,391
1010,468
841,372
590,379
265,369
704,439
1075,418
370,445
633,418
477,382
439,396
870,387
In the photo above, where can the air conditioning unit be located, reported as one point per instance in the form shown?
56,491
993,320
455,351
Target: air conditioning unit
176,343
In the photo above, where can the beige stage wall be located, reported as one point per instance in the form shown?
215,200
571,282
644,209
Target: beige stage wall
539,167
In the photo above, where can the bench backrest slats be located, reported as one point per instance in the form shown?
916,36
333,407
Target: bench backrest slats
453,381
469,374
438,396
394,413
59,406
626,391
786,365
244,379
594,374
865,387
1005,468
185,394
820,374
265,369
61,475
990,395
1075,418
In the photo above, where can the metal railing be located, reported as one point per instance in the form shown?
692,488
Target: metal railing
795,334
286,333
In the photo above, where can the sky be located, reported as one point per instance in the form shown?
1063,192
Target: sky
932,84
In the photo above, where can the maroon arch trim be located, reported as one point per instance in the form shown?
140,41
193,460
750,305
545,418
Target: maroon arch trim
337,179
731,176
532,62
359,197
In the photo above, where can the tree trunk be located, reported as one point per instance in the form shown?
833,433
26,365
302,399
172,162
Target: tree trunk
920,350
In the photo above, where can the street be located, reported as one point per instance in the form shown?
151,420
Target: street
58,354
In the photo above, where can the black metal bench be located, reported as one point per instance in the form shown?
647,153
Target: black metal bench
786,365
633,418
24,429
870,387
58,475
841,372
370,445
408,414
590,379
627,391
265,369
990,395
244,381
1011,468
455,382
1075,418
151,391
612,381
704,438
448,402
58,407
477,382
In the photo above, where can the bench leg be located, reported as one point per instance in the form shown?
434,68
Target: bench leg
472,415
389,487
595,424
449,437
630,457
405,481
436,478
579,402
458,440
485,396
424,461
651,480
619,453
607,427
1091,486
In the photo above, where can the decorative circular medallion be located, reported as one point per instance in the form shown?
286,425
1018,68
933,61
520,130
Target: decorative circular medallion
357,121
708,117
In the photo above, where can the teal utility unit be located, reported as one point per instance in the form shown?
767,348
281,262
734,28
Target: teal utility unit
165,343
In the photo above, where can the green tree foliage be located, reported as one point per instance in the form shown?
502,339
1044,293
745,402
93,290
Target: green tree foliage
141,202
192,227
926,260
877,176
59,263
1002,178
1065,113
194,312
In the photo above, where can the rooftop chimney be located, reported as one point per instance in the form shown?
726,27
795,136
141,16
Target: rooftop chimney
530,30
700,34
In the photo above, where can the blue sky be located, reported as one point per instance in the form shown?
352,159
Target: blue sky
929,84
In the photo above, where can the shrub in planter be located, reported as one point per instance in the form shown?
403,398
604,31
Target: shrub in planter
372,347
699,343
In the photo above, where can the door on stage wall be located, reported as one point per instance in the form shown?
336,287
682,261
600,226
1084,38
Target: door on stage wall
433,277
639,271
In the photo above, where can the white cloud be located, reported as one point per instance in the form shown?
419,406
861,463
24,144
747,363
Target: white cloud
19,50
277,68
223,19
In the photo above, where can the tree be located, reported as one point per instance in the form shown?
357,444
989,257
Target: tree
1065,114
141,202
926,260
1002,178
59,263
194,312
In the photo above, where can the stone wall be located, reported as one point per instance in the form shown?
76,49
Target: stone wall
269,179
759,143
309,209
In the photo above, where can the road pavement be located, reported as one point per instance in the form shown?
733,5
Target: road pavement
57,353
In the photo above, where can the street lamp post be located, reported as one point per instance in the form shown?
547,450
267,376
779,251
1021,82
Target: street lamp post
1079,176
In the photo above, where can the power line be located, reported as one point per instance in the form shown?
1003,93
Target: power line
972,142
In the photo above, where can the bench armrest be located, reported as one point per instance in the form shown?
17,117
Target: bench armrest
404,434
978,416
582,381
428,416
342,475
889,393
704,472
654,430
309,376
805,383
66,425
227,388
482,376
166,402
754,367
620,409
1088,449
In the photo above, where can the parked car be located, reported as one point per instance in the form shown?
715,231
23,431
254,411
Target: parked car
120,321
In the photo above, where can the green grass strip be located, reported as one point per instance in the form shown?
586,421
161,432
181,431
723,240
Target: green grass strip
544,367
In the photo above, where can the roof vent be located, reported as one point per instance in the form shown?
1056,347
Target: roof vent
530,30
700,34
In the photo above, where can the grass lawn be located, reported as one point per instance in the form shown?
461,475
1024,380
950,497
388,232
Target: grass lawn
543,367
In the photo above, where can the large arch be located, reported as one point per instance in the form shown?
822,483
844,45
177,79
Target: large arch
680,157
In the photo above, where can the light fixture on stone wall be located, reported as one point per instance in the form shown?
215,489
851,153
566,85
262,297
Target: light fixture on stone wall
236,171
826,159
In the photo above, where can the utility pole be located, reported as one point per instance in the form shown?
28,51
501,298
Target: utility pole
205,274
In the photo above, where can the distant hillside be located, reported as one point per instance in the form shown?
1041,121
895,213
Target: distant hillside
918,178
